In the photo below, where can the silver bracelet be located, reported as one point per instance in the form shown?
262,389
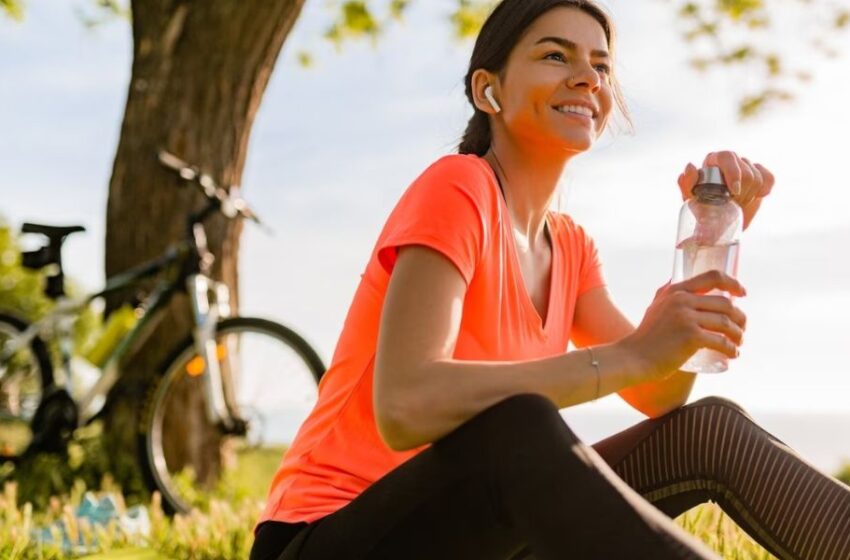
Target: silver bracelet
596,365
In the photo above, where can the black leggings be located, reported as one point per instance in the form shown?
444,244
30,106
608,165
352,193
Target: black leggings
514,482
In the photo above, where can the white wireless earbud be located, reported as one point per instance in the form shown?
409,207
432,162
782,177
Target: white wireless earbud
488,93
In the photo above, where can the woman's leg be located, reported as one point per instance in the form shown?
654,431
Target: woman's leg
712,450
513,475
272,537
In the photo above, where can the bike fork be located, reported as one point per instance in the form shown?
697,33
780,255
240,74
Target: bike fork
206,317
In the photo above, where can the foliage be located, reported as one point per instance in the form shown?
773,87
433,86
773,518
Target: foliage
22,290
104,11
844,473
87,462
222,528
12,8
712,526
739,34
721,33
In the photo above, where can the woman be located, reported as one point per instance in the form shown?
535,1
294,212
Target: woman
437,432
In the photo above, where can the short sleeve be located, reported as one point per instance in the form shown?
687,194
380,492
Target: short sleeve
444,209
591,274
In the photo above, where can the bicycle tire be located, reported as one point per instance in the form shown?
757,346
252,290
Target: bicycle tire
40,361
156,460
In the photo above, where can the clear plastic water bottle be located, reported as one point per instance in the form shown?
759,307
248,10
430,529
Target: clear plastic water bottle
710,225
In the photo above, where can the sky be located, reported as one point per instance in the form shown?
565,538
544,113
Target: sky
335,146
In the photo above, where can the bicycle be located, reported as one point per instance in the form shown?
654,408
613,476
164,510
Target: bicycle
218,386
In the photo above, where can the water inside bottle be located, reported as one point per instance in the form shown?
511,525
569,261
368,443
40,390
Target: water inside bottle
691,259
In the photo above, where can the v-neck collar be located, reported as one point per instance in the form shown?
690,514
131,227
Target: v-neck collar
555,259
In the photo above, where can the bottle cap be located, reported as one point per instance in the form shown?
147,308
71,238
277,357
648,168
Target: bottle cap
710,175
710,180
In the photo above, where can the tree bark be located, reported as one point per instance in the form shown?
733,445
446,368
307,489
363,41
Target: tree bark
199,72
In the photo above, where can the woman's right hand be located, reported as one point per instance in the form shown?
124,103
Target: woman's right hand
683,318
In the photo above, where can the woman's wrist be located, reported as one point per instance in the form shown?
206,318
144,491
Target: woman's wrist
616,367
639,367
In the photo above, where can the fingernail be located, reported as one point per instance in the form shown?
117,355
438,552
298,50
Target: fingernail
736,187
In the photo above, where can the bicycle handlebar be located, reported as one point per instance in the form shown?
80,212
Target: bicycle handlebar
230,205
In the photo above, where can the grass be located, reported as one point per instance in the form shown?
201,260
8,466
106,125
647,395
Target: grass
129,554
224,529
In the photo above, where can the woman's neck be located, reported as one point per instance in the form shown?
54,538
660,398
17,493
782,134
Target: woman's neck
529,183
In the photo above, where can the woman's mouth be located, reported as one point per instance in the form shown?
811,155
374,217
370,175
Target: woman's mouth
576,112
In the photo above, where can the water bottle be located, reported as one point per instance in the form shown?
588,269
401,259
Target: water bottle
120,322
710,225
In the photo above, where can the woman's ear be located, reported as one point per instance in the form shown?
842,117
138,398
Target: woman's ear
481,80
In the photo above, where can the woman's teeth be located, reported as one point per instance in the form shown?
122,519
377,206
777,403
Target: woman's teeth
575,109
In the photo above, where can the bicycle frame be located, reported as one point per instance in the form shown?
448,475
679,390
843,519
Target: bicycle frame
194,278
206,313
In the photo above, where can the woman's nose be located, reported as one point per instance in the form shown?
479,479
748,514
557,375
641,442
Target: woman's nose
584,75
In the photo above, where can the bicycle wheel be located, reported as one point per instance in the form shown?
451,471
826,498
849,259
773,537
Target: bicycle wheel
270,376
24,374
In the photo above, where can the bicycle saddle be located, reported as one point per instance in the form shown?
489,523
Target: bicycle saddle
51,231
48,255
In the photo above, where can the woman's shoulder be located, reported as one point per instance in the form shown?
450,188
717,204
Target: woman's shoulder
468,172
571,228
470,164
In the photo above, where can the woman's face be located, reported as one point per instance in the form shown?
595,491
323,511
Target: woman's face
561,61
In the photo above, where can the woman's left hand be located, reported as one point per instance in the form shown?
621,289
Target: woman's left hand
748,182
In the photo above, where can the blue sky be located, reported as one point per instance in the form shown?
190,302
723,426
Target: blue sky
334,147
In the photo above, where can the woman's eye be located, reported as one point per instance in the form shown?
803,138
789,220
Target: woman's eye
600,67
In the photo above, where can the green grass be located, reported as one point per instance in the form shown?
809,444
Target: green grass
224,529
129,554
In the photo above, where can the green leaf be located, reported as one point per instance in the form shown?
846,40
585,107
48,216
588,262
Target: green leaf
737,9
13,8
354,20
774,64
357,19
689,9
305,59
470,16
751,106
738,55
397,8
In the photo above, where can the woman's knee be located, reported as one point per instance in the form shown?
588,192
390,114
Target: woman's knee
525,409
527,417
719,402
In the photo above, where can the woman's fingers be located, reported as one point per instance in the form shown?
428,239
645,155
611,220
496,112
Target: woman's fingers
687,180
720,304
718,342
730,168
752,183
720,323
710,280
768,177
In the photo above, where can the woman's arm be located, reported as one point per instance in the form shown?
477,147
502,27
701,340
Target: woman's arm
599,321
421,394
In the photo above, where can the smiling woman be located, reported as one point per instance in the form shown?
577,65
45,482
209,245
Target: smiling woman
437,431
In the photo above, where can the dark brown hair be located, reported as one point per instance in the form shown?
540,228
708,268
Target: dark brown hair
501,32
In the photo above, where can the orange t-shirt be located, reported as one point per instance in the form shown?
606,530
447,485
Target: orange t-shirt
455,207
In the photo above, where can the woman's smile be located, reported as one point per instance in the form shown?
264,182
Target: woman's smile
578,114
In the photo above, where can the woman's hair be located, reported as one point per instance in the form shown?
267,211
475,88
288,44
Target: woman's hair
501,32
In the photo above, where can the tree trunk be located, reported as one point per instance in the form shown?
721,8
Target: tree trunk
199,72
